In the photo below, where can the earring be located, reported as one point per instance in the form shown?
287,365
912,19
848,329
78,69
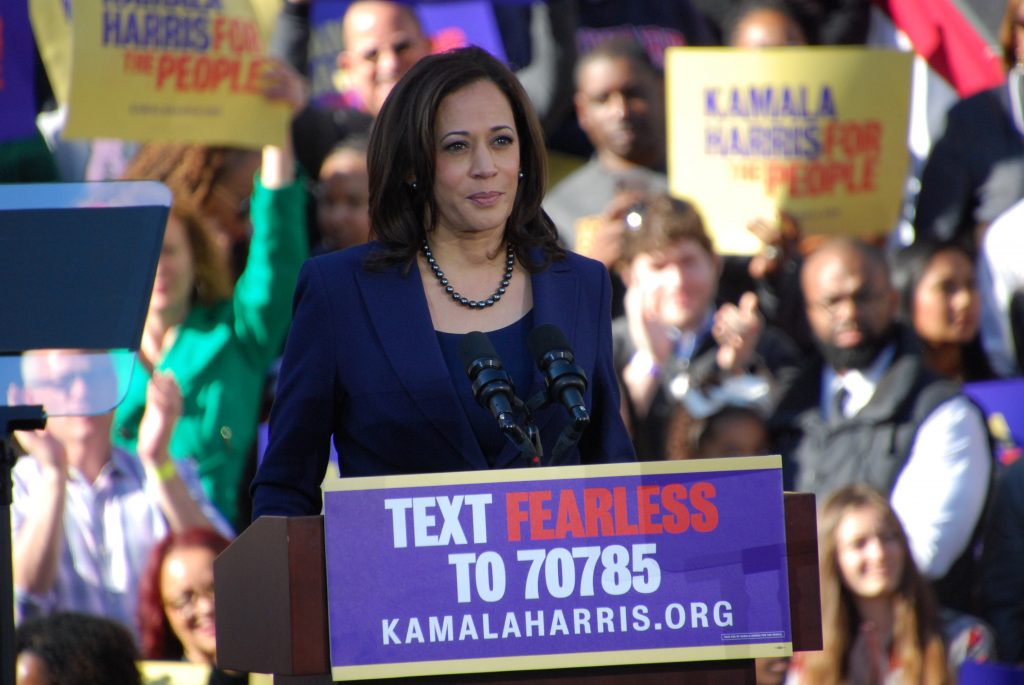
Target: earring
521,175
414,186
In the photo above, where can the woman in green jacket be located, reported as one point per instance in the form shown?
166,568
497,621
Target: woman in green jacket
220,345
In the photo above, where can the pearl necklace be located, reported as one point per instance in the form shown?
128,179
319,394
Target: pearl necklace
510,260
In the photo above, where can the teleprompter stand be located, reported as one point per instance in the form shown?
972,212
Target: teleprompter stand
271,593
11,419
77,262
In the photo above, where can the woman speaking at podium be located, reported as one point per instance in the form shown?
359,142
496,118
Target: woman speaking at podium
457,171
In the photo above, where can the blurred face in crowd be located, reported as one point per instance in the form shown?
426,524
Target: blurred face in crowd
382,42
947,308
621,108
850,305
870,552
343,200
678,283
77,388
735,436
186,584
766,28
175,272
226,209
476,168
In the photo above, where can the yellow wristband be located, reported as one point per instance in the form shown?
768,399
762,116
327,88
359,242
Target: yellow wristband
165,471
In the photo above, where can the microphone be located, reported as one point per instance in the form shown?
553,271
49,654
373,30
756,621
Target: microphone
565,382
492,388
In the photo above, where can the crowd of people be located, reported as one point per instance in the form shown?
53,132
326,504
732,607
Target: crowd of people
327,287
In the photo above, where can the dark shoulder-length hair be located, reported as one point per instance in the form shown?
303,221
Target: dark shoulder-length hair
156,638
909,264
212,277
908,267
403,150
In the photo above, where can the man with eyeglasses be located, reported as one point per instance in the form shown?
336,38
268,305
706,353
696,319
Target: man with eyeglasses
870,411
86,514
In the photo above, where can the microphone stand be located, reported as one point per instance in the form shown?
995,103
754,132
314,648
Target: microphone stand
571,434
526,440
29,417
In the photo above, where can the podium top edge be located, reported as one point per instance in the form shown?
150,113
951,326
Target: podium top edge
639,469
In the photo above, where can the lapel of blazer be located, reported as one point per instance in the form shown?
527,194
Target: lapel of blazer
397,308
555,301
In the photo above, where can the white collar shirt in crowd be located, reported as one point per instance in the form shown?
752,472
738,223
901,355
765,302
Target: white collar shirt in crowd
859,384
940,492
110,526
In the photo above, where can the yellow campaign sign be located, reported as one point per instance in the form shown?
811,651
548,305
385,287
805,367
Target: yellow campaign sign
266,12
185,673
817,132
171,70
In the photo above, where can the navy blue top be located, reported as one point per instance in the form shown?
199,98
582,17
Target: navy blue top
510,344
363,363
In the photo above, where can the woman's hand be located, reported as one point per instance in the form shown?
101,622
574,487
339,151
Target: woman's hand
282,83
163,409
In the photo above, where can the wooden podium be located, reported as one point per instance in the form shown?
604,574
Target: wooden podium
272,611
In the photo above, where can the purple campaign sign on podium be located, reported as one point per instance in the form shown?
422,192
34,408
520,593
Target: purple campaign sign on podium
561,567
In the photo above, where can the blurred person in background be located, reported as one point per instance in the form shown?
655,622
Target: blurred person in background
177,617
381,40
620,104
822,22
675,340
975,171
1001,581
879,620
868,409
763,24
219,343
343,197
86,513
939,299
75,649
216,181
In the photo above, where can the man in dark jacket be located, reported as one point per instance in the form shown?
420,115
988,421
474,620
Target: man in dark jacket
869,411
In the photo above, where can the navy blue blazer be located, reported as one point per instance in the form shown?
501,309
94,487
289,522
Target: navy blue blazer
363,363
